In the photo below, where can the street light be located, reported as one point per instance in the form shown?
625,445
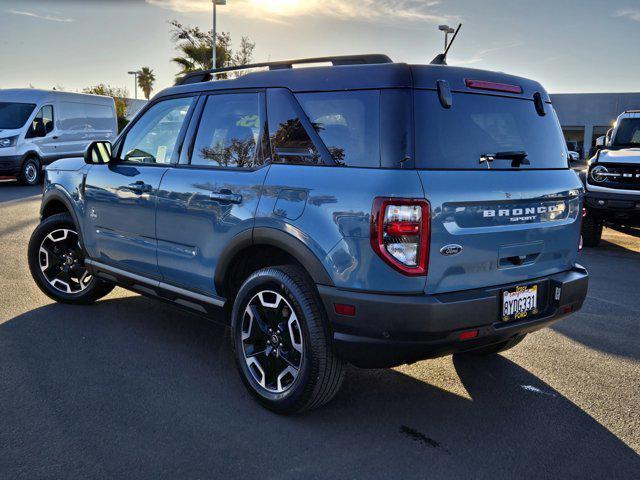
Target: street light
447,30
135,84
215,2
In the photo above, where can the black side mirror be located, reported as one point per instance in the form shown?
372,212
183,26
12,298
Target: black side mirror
98,153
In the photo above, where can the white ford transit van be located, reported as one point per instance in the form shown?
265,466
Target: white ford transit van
38,127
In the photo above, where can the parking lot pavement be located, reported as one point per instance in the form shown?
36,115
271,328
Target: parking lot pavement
131,388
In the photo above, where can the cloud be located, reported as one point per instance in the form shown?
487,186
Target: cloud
49,18
278,10
632,13
480,55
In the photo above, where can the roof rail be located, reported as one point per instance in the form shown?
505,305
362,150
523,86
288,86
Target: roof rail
207,75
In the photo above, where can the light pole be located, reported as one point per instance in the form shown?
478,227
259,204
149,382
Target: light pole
215,3
135,83
447,30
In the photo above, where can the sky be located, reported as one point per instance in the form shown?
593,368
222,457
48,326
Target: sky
568,45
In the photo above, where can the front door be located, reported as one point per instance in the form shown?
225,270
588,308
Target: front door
44,134
121,196
209,199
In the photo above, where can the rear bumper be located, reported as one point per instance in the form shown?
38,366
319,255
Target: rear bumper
389,330
10,165
614,207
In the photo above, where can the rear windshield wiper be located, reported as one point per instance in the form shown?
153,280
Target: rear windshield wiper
518,157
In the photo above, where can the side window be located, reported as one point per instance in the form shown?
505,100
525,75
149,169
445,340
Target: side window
290,142
348,123
42,123
153,138
229,131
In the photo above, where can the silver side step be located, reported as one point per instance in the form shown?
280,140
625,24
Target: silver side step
156,284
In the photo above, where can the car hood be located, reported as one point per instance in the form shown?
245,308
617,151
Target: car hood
8,132
627,155
67,165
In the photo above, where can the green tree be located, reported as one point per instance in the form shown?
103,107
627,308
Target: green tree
195,49
146,79
119,96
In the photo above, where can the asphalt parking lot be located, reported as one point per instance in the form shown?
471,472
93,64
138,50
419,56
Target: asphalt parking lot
131,388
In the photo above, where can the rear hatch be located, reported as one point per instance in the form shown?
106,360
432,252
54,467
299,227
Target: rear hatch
515,217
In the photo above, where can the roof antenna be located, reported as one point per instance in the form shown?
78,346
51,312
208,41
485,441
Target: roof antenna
441,58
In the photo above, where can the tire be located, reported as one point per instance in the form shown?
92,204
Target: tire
284,300
53,247
497,347
30,172
591,231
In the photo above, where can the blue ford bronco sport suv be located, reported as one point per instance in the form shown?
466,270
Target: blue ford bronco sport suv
368,212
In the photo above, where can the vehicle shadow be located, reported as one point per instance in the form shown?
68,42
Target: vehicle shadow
11,190
131,388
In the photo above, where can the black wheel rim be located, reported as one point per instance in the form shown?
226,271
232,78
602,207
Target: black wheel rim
272,342
62,262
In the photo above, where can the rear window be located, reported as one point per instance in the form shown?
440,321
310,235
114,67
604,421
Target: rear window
14,115
477,125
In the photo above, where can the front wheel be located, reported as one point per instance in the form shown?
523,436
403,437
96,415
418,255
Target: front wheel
31,172
282,342
56,261
591,231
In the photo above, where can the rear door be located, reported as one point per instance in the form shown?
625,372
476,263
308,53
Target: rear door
515,218
121,196
211,196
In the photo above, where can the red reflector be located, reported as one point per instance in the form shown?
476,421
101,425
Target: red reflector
469,334
402,228
342,309
496,87
567,309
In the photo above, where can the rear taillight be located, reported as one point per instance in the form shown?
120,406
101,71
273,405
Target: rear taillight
580,242
400,230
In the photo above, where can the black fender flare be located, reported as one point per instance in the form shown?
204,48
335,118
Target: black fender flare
56,195
274,238
31,154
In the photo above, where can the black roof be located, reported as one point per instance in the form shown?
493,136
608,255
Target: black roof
363,76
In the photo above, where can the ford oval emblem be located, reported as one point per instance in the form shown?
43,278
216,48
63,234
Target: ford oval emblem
452,249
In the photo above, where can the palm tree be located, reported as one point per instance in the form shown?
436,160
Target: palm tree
146,78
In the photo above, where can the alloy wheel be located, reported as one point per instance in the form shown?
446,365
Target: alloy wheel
272,341
62,262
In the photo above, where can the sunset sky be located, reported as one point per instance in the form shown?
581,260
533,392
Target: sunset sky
568,45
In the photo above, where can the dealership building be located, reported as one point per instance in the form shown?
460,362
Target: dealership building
586,116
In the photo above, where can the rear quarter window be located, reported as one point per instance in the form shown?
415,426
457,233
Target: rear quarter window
348,124
480,124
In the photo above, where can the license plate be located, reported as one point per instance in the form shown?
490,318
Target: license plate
519,302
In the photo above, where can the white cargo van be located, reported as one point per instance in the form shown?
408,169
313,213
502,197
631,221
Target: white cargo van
38,127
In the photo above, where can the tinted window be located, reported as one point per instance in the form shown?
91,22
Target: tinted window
42,123
290,142
229,131
628,134
477,125
14,115
152,139
348,123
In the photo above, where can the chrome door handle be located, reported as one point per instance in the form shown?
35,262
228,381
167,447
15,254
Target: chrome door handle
225,197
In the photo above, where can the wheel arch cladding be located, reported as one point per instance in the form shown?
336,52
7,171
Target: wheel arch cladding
269,238
54,201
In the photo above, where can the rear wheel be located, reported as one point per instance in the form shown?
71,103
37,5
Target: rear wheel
591,231
31,172
282,343
57,265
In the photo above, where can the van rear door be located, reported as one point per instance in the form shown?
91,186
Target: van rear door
494,169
